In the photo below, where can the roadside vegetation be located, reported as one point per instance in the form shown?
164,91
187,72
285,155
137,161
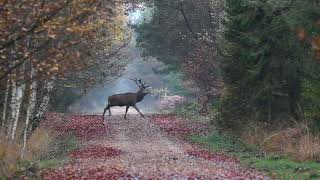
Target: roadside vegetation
45,149
282,166
285,154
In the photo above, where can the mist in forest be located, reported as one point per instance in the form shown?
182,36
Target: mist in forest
139,67
95,100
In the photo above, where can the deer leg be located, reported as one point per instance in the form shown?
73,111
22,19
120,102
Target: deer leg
104,112
138,110
109,111
125,115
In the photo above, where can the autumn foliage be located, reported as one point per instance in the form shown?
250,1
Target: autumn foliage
95,151
83,127
73,171
173,125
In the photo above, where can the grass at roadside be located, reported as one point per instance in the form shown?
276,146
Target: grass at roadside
45,150
278,166
57,152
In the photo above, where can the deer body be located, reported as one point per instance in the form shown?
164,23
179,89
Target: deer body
127,99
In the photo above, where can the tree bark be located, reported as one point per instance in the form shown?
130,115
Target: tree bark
5,104
16,111
31,107
13,104
43,105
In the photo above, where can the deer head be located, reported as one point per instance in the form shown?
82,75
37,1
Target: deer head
142,87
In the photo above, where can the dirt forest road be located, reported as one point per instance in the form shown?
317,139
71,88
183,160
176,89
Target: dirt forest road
137,148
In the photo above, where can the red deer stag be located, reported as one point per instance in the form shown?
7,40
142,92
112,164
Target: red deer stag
127,99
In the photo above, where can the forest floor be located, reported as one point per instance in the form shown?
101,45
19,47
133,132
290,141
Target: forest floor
136,148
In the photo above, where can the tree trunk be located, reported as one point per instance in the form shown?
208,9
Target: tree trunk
5,104
205,103
31,107
13,108
206,100
43,105
18,101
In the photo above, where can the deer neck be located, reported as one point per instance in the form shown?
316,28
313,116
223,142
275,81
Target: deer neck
140,95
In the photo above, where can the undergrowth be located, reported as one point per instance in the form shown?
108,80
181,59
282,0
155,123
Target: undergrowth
190,110
285,152
279,166
44,150
58,149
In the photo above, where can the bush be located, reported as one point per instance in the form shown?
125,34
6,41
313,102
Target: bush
191,110
11,162
39,142
311,99
44,150
295,142
9,157
308,148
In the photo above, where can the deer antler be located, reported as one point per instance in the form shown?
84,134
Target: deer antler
140,82
143,83
136,81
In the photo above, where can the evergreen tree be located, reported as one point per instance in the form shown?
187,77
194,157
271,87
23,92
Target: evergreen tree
265,67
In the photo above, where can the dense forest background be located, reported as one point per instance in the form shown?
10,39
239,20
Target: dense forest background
258,60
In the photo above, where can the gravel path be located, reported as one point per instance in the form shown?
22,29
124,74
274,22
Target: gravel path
146,152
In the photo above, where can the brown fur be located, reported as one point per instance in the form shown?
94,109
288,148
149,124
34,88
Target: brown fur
126,99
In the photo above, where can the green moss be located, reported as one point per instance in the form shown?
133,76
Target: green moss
280,166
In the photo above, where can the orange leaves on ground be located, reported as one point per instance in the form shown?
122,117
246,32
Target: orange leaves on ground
95,151
175,126
83,127
74,171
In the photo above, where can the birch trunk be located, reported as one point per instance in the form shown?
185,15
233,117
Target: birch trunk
18,100
5,104
31,107
13,108
44,103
